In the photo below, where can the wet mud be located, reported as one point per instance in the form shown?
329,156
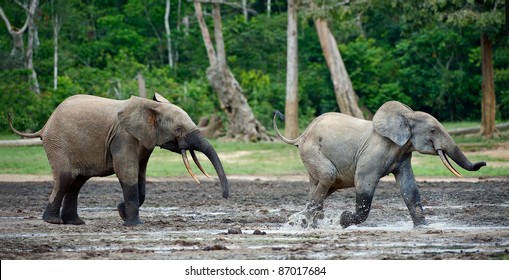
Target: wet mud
182,220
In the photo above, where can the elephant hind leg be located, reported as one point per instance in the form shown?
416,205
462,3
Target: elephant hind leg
60,187
69,211
320,190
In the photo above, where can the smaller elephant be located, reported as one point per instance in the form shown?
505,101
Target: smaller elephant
340,151
89,136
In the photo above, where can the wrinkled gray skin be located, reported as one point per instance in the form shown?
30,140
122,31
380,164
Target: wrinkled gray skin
88,136
340,151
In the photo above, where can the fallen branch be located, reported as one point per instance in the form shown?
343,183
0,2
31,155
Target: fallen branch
21,142
476,129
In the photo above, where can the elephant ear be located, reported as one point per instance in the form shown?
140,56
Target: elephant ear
139,118
160,98
391,121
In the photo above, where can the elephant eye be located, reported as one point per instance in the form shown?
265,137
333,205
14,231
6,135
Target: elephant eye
432,131
179,130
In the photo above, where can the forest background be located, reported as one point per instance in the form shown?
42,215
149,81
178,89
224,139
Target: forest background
391,52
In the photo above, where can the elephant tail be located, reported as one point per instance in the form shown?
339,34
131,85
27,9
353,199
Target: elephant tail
295,141
22,134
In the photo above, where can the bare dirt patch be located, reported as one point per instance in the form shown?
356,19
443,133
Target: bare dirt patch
469,220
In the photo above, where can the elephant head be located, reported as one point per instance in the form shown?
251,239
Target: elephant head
158,122
402,125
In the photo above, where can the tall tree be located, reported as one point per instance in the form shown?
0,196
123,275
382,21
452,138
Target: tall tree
489,103
345,95
168,33
57,24
343,89
242,122
292,73
487,16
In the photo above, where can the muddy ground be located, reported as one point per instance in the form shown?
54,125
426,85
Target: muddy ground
469,219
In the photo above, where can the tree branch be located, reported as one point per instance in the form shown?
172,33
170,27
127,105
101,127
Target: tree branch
12,30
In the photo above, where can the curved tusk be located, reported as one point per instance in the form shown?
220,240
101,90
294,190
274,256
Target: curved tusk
198,163
188,167
445,161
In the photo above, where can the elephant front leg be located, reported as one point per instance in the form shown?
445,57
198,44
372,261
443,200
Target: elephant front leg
362,209
142,182
127,167
405,179
129,209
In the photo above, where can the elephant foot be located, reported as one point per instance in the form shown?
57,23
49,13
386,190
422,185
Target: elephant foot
73,220
132,222
52,218
420,223
347,219
127,221
306,219
298,219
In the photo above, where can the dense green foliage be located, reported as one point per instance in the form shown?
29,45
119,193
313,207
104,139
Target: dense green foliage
434,67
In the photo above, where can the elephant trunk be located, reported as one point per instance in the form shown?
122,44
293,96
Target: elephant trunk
458,157
197,142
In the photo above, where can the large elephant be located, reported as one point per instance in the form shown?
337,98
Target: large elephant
88,136
340,151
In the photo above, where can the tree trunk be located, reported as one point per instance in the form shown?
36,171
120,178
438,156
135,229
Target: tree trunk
18,50
168,33
32,41
55,53
211,53
242,122
488,128
56,30
179,12
244,9
292,74
476,129
142,91
345,95
18,46
218,36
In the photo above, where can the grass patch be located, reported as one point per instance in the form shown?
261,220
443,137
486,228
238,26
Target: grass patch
24,160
